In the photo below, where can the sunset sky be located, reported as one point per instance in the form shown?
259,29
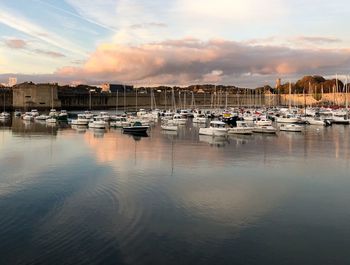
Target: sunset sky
179,42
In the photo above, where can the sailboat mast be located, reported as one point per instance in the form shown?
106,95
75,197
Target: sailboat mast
290,94
336,88
116,103
124,99
3,91
51,97
185,100
136,99
173,103
346,95
304,102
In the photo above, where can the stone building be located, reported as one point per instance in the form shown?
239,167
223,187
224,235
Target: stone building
35,96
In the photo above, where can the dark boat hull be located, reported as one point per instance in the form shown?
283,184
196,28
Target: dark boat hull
136,129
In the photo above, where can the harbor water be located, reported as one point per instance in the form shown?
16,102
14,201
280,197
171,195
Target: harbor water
83,196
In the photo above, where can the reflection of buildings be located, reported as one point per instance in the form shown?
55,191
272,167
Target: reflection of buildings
31,128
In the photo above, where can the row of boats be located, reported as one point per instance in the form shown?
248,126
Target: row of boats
213,122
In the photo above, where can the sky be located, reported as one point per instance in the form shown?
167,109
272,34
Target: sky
180,42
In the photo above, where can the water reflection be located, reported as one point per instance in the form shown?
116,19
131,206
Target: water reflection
213,140
82,196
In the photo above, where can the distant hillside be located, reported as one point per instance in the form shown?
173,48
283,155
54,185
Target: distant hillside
313,84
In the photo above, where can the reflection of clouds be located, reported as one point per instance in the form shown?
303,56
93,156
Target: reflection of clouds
24,159
229,199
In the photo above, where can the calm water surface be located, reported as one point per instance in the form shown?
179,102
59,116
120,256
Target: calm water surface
71,196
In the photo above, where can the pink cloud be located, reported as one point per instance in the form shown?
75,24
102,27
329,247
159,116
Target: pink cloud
16,43
190,60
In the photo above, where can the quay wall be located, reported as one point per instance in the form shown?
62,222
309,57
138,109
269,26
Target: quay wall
5,95
338,99
45,96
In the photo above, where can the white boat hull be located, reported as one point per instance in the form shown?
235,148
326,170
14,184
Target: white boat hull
80,122
265,129
245,131
213,131
169,127
288,120
291,128
97,125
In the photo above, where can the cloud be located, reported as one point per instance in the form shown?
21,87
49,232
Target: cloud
193,61
25,45
49,53
318,39
147,25
16,43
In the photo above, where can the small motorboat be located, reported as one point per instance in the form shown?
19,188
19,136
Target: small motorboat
18,113
169,126
28,116
241,128
317,121
265,129
98,123
291,128
199,118
178,119
119,122
5,116
216,128
63,116
41,117
263,121
81,120
51,120
136,128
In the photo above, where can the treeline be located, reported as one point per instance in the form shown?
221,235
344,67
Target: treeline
313,85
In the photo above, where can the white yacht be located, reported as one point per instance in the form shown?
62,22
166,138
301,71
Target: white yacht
119,122
5,116
141,113
35,112
63,115
199,118
179,120
263,121
340,118
28,116
88,114
216,128
317,121
18,113
291,128
105,115
241,128
41,117
288,118
167,115
185,113
265,129
51,120
98,123
81,120
53,113
169,126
